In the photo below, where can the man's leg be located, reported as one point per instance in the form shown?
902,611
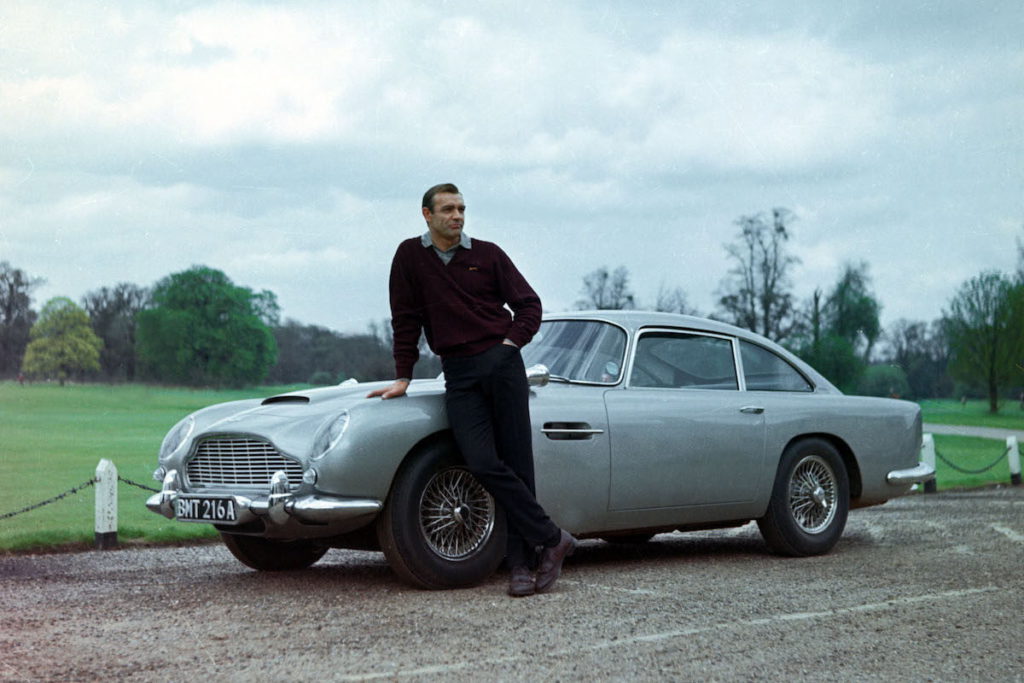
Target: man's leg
471,415
509,393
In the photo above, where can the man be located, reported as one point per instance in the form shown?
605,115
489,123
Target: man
454,289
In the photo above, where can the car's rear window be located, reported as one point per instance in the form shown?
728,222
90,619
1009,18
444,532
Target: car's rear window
766,371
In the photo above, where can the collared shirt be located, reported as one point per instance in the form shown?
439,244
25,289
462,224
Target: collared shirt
446,256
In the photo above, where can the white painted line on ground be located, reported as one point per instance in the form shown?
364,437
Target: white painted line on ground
1009,533
617,589
680,633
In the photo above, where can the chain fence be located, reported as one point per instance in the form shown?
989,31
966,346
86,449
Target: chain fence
70,492
949,463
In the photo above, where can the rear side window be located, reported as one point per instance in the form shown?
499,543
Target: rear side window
763,370
680,360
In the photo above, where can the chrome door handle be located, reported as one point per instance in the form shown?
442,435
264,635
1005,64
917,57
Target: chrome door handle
752,410
569,431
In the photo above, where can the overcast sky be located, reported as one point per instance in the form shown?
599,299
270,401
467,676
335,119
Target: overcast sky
288,143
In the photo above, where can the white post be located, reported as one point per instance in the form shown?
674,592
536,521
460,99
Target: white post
1013,456
928,456
106,505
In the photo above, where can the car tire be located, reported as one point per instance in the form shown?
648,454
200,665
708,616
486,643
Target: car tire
810,500
627,539
269,555
439,527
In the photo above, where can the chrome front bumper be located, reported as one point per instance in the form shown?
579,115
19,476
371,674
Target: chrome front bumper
279,504
913,475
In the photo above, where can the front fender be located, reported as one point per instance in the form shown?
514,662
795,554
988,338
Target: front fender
379,436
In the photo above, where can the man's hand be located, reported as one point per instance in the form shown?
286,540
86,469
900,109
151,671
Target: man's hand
394,391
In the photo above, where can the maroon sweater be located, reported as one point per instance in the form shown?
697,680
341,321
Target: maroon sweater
460,306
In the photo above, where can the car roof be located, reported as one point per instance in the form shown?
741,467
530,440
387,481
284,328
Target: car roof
633,321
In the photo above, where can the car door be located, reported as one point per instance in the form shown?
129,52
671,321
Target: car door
682,432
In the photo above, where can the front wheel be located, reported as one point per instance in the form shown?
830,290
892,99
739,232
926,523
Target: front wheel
810,500
273,556
439,527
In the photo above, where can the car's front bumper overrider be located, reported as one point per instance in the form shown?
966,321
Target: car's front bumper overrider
912,475
279,505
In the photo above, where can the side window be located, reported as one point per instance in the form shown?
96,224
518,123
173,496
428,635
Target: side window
765,371
676,360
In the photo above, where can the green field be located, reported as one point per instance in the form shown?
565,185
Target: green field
974,413
52,438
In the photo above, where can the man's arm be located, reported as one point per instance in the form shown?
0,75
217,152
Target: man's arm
406,327
520,297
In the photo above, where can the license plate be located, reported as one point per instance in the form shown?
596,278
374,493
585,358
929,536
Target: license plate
217,510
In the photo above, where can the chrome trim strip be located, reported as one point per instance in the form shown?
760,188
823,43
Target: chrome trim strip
572,431
913,475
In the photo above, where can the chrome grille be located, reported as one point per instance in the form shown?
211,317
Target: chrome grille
236,461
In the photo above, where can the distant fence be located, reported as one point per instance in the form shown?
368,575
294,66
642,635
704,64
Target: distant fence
930,454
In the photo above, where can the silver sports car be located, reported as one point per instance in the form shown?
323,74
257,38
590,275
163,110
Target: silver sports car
642,423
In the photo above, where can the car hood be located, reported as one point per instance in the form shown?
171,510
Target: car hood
292,420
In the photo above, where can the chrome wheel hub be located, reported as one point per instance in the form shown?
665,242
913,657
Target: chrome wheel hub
812,494
456,514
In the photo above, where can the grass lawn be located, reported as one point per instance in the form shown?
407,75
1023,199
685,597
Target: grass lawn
969,453
52,438
974,413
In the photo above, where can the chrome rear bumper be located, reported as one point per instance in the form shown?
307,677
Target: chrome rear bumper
279,504
913,475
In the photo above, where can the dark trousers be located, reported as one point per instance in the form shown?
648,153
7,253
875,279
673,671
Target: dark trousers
487,397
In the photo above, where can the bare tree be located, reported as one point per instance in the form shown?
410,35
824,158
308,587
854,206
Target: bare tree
16,315
112,313
673,301
757,292
604,290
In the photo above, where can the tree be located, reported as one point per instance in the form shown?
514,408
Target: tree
673,301
757,293
985,328
604,290
201,329
63,344
113,314
852,311
16,315
883,380
920,350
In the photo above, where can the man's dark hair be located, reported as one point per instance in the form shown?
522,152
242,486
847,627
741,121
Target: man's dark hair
428,197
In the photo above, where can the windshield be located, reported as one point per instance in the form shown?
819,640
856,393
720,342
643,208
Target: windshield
579,350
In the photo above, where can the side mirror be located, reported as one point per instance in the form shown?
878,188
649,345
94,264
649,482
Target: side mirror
538,375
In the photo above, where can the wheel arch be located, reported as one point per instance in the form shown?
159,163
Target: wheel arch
845,452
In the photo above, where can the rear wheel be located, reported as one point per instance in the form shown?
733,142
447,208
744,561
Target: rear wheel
439,527
270,555
810,500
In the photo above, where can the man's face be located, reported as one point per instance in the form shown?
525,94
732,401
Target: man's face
447,218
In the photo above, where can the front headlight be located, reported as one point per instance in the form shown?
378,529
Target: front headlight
176,437
330,434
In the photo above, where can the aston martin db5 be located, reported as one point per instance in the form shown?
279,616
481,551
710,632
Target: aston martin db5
643,423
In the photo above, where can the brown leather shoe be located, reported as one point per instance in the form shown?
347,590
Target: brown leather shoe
521,584
551,561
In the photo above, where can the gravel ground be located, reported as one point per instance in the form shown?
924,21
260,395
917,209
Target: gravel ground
923,588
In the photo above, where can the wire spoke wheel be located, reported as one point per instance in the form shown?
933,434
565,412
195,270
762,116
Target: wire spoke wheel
813,492
456,514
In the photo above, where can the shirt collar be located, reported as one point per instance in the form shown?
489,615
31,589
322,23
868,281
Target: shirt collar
464,241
